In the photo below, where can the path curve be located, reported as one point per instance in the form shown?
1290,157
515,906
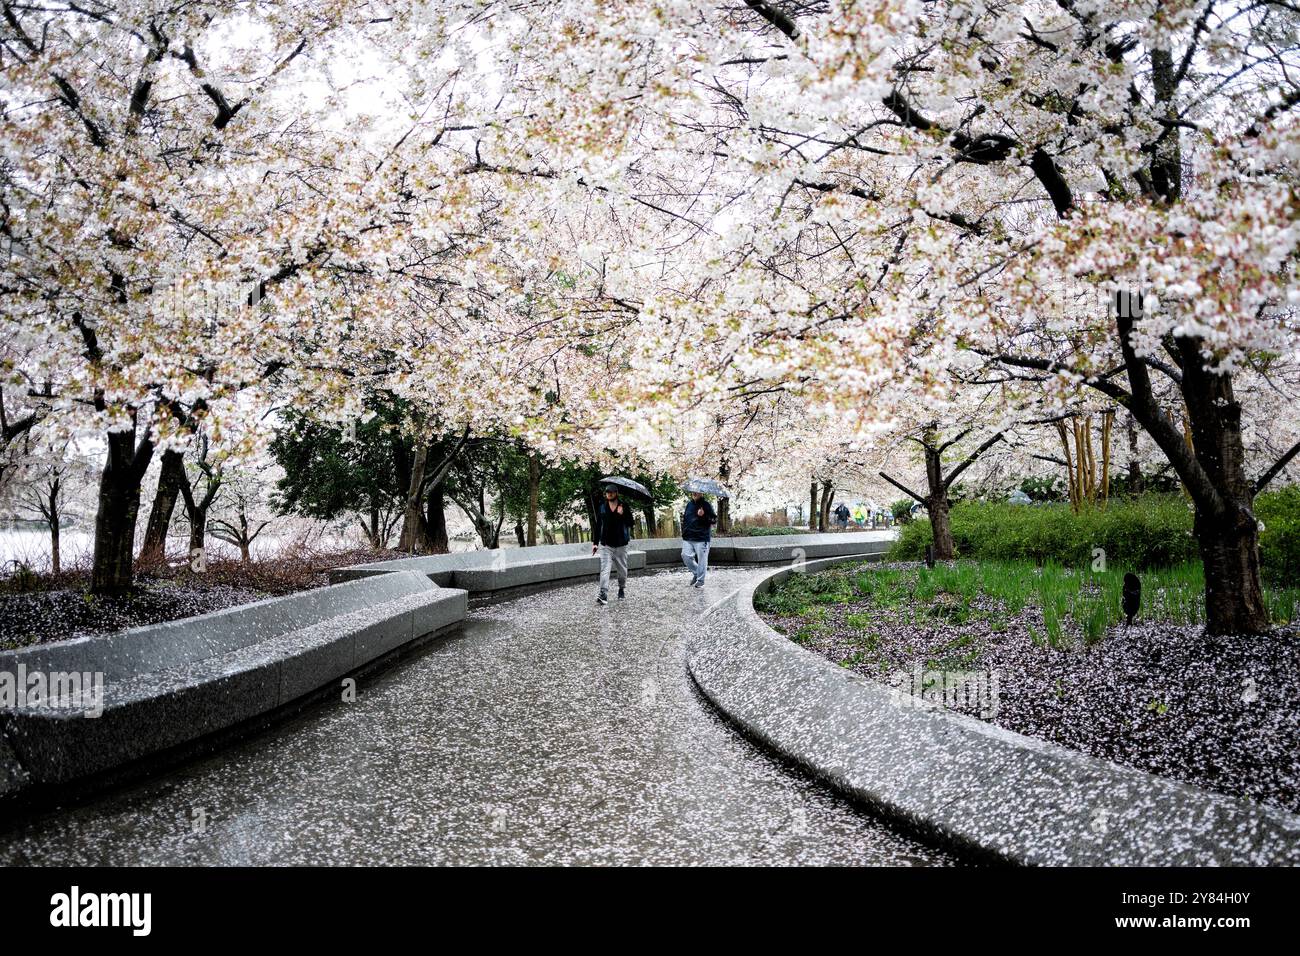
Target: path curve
545,730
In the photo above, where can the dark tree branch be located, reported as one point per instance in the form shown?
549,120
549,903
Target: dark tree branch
835,187
952,441
903,488
1045,169
1152,417
775,16
1262,482
971,459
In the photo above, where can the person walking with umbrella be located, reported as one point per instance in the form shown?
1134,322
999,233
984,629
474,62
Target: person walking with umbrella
697,530
842,516
611,536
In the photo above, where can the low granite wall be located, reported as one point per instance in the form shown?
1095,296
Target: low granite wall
481,571
961,781
175,683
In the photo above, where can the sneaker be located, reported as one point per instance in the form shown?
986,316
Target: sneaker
621,594
602,598
698,584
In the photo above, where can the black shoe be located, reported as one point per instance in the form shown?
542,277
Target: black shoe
621,594
602,598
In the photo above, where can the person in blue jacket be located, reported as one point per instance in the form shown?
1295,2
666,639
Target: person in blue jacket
697,524
611,536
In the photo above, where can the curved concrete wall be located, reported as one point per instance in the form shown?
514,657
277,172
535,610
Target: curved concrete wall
175,683
129,653
481,571
962,781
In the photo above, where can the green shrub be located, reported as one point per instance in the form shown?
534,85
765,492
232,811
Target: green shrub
1154,531
902,510
1279,544
759,531
1149,532
1044,489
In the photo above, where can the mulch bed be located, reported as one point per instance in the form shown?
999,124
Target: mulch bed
44,608
37,617
1221,713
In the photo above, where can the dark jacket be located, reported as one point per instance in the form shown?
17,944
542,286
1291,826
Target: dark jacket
695,528
612,529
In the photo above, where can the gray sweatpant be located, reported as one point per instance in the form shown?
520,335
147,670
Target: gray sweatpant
695,555
616,557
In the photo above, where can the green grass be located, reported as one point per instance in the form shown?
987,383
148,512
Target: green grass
949,593
959,654
1150,532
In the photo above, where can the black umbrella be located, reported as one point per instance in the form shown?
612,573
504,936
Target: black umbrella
706,486
634,488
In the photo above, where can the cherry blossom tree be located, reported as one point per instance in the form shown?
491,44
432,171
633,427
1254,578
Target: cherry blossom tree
742,240
861,181
199,220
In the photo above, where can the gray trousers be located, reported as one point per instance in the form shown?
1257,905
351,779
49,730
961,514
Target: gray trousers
695,555
617,557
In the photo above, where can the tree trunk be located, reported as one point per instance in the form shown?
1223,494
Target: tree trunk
520,535
118,508
415,530
170,476
436,521
1228,535
1234,597
1134,463
476,506
1071,483
373,531
936,503
198,516
592,500
55,562
724,504
1107,422
534,487
824,516
941,529
813,510
196,509
488,533
651,521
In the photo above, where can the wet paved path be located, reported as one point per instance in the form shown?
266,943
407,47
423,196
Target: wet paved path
547,730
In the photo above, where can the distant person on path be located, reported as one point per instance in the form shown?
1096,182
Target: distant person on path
697,524
611,535
842,516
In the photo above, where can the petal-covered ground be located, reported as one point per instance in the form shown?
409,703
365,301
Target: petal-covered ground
547,730
36,617
1221,713
39,608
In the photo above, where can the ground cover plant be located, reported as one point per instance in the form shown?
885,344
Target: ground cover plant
1056,659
